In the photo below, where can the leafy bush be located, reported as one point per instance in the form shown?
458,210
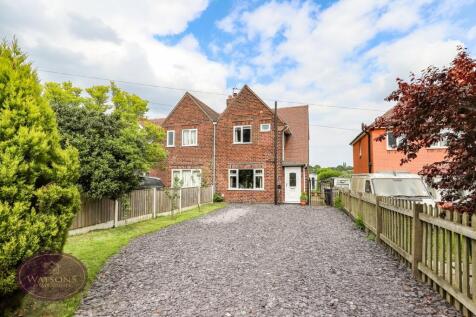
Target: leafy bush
338,203
114,150
38,195
359,222
218,198
304,196
325,173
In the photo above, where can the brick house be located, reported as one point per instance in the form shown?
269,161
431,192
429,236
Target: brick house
370,156
189,142
234,150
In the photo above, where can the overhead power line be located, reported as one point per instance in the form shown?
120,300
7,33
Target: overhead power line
330,127
197,91
130,82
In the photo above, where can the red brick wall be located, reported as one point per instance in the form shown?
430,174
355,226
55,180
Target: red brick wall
187,115
389,160
384,160
361,161
247,109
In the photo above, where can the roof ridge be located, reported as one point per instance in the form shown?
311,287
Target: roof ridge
300,106
245,86
212,114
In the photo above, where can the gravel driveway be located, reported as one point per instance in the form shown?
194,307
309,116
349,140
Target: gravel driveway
260,260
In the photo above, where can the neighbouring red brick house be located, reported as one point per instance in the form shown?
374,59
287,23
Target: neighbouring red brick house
234,150
370,156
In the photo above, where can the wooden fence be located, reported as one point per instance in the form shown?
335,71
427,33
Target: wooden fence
439,245
143,204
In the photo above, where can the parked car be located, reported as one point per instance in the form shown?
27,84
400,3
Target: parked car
150,182
399,185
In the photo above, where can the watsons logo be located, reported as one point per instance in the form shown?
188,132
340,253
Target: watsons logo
52,276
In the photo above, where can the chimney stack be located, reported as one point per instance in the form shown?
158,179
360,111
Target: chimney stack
228,100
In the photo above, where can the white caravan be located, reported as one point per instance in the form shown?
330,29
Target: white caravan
398,185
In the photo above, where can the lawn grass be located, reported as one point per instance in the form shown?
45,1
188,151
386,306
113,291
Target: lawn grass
93,249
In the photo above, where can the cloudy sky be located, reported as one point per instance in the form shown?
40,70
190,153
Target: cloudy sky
332,55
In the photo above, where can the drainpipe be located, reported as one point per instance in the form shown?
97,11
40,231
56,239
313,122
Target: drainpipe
275,152
214,159
369,155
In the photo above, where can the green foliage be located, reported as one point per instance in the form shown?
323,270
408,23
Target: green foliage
38,195
359,222
116,145
328,172
324,173
174,194
218,198
338,203
126,207
304,196
371,236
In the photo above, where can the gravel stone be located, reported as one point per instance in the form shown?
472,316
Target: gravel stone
260,260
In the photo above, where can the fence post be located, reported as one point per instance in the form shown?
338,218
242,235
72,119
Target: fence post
180,200
154,202
116,212
378,213
417,239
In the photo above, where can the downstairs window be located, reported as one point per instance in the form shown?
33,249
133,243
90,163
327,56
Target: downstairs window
251,179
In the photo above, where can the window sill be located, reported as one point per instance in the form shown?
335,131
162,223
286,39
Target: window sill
170,146
189,145
437,148
242,142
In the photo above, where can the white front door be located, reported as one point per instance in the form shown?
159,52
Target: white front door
292,186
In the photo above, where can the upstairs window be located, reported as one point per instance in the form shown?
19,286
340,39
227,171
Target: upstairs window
442,143
392,141
189,137
170,138
265,127
439,144
242,134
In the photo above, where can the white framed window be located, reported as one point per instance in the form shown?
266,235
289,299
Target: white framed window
170,138
265,127
442,144
189,137
190,177
246,179
242,134
392,141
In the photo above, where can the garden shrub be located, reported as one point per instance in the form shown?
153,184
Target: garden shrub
38,195
338,203
218,198
359,222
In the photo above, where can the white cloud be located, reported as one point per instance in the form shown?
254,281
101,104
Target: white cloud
115,39
347,54
336,59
